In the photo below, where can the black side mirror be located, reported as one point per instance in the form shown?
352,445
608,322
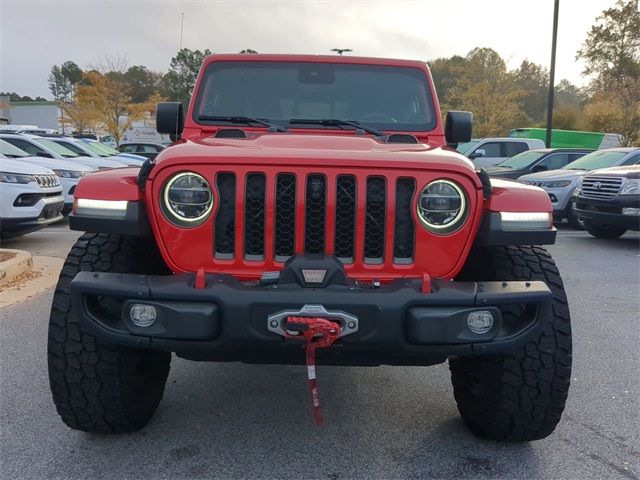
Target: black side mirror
170,119
539,168
457,127
44,155
477,154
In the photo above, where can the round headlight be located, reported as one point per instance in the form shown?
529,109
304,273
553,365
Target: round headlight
187,199
442,207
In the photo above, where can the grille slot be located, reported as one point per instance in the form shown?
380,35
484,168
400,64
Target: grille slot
601,187
401,138
224,226
285,224
404,229
345,233
315,214
374,227
231,133
254,217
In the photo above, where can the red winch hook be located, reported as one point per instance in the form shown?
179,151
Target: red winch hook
318,333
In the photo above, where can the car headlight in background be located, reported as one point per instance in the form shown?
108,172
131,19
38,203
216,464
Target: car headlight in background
558,184
442,207
69,173
187,200
631,187
8,177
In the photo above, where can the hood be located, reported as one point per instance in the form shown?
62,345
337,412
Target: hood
98,162
313,149
128,158
20,166
56,164
630,171
504,171
561,174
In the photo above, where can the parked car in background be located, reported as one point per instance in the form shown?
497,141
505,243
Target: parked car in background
69,173
487,152
560,184
538,160
30,197
90,149
45,147
571,138
148,150
608,201
129,158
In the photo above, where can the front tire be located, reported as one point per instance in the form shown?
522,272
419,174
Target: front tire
98,387
520,395
605,231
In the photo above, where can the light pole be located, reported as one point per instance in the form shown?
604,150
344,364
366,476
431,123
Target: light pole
552,73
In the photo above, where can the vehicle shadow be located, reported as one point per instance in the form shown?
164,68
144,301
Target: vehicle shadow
250,421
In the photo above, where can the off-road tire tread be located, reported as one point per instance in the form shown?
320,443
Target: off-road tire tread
98,387
523,392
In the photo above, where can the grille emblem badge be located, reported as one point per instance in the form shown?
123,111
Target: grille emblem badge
313,276
597,185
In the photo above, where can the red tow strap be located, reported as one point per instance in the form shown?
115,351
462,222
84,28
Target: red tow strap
318,333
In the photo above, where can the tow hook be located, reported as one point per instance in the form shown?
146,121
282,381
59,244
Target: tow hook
318,333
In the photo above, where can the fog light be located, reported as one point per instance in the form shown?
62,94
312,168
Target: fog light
631,211
143,315
480,322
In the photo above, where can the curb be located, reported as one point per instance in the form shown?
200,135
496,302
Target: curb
20,262
41,278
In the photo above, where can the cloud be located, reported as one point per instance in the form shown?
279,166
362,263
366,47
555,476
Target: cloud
34,35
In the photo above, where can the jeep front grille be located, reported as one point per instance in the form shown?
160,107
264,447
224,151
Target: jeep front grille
601,187
314,214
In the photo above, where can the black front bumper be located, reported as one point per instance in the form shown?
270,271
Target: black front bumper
609,211
227,320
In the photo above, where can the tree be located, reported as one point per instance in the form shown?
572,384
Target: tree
616,110
81,113
533,80
142,82
14,97
443,71
612,57
485,87
63,79
248,50
108,95
612,49
178,82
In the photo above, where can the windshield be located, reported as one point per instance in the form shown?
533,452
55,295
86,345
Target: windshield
594,160
53,146
93,147
466,147
382,97
521,160
105,150
10,151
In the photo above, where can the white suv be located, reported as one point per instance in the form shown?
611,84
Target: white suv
30,198
68,172
487,152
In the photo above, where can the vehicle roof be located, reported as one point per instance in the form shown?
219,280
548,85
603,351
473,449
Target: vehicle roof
262,57
142,143
561,149
504,139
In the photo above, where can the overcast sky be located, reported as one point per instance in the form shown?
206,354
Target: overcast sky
34,35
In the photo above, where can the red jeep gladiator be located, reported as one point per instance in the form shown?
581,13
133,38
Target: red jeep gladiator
311,205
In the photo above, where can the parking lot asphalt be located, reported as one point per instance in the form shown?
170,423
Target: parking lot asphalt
248,421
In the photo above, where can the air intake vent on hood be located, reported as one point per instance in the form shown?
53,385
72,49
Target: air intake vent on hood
401,138
230,133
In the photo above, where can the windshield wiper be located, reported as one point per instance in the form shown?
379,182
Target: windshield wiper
335,122
238,119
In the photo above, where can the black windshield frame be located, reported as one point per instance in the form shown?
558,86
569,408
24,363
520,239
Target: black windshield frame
424,107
